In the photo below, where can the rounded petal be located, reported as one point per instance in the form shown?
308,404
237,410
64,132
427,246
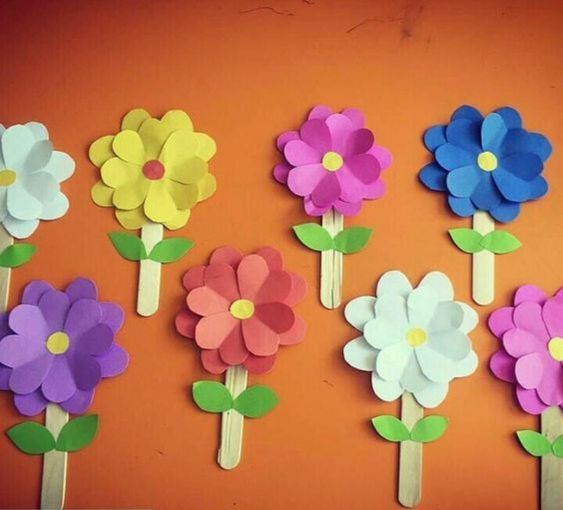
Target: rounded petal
159,205
211,331
128,146
386,390
552,313
27,378
432,395
348,208
259,364
393,282
511,117
79,402
134,118
340,127
380,333
186,322
537,188
177,119
259,338
451,156
364,167
206,146
226,255
392,308
102,195
440,285
506,211
206,187
529,293
83,315
207,302
502,365
17,141
86,371
54,306
55,208
433,177
486,195
356,117
252,272
466,366
221,278
314,210
22,205
512,187
116,173
528,316
304,180
320,112
295,334
193,278
101,150
39,130
452,344
277,316
359,311
30,404
275,289
434,137
434,365
360,142
61,166
298,290
519,342
461,206
38,156
27,320
392,360
315,134
272,257
525,166
360,355
154,134
189,171
282,140
113,362
131,195
281,172
467,112
81,288
212,362
465,133
529,400
298,153
33,291
179,147
232,350
96,341
529,370
59,383
463,181
421,304
17,350
470,318
178,220
112,315
493,131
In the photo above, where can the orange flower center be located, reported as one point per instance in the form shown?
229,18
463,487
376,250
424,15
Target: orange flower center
153,170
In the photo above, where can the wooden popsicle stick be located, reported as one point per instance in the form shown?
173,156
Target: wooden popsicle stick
53,485
232,421
331,263
410,455
5,272
551,466
483,263
149,272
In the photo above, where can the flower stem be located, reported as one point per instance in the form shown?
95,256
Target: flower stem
483,263
5,272
331,263
551,466
410,455
149,272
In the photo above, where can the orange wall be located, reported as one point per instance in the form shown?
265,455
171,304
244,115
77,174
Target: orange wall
245,76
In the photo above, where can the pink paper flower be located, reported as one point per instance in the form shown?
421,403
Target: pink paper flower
332,161
239,309
531,355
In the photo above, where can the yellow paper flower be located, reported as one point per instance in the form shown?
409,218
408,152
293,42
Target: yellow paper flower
153,170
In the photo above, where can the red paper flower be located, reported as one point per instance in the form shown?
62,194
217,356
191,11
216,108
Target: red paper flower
239,309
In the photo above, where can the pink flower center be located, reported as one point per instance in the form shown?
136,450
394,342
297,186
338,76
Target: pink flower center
153,170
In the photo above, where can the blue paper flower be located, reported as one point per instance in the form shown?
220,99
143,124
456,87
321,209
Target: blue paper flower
486,163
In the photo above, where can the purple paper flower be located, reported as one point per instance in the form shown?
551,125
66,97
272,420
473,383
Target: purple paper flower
332,161
56,346
531,355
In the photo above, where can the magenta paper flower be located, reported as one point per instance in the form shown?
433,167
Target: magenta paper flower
56,346
531,355
332,162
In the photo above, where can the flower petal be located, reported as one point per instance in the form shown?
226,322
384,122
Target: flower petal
451,156
134,118
226,255
299,153
131,195
461,206
101,150
133,219
452,344
529,370
463,181
465,133
393,282
433,177
304,179
212,362
432,395
526,166
102,194
221,278
518,342
252,272
359,311
114,361
232,350
22,205
79,402
54,306
259,338
207,302
315,134
486,195
30,404
211,331
502,365
493,131
27,378
17,350
440,285
528,316
505,211
159,205
116,173
128,146
259,364
392,360
434,365
434,137
359,141
553,316
529,400
386,390
467,112
512,187
59,383
364,167
380,333
17,141
360,355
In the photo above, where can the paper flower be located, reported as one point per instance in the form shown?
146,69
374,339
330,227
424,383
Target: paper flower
332,162
487,163
153,170
30,176
57,346
413,340
531,353
239,309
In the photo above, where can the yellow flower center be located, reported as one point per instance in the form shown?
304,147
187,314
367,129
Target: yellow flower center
7,177
332,161
242,309
153,170
416,337
555,348
57,343
487,161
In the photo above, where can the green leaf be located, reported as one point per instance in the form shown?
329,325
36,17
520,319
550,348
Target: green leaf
129,246
77,433
256,401
466,239
352,240
390,428
557,447
500,242
429,429
533,442
212,396
16,255
170,250
313,236
31,438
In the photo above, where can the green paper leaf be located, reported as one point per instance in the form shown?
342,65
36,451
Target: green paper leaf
212,396
129,246
170,250
313,236
466,239
500,242
533,442
31,438
352,239
390,428
429,429
557,447
77,433
256,401
16,255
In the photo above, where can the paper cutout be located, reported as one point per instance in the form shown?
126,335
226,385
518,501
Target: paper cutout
413,339
256,401
31,438
129,246
531,351
168,250
390,428
317,238
212,396
487,163
497,241
153,170
31,173
557,447
313,236
425,430
77,433
17,255
534,443
239,309
57,346
352,239
429,429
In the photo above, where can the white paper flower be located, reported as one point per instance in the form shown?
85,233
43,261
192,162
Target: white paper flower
412,340
30,176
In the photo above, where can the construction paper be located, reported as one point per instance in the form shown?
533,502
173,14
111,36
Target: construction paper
212,396
77,433
533,442
170,250
60,344
429,429
414,339
487,163
497,241
153,170
352,239
256,401
332,162
390,428
557,447
31,438
16,255
239,309
313,236
30,176
531,337
129,246
466,239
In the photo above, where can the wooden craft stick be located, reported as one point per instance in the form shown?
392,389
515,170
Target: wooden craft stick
410,456
5,272
232,421
331,263
551,466
483,263
149,272
54,463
